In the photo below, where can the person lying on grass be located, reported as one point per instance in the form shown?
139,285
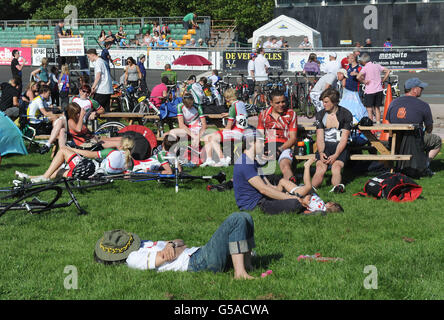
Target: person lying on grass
234,238
80,164
252,189
162,161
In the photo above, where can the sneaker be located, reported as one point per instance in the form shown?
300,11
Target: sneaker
39,179
428,173
21,175
208,163
225,162
44,149
340,188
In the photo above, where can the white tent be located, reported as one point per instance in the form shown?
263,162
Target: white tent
287,27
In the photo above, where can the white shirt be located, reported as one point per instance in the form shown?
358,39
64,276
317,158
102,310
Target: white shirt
332,66
259,66
35,108
145,257
250,68
329,78
105,85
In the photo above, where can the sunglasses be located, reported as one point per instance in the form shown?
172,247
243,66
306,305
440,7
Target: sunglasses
84,91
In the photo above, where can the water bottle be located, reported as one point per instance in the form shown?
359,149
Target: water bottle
307,146
301,148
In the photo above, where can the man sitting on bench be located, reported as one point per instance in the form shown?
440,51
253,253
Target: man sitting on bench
333,126
39,113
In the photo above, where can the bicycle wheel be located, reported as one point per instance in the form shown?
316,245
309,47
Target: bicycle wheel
125,105
34,201
109,129
260,102
310,109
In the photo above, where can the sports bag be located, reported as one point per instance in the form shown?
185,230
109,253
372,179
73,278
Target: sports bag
395,187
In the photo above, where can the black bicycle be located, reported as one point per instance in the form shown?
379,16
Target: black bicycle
39,197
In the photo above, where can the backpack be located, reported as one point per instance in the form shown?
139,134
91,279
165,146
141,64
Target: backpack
395,187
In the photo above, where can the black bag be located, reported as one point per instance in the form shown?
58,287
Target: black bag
395,187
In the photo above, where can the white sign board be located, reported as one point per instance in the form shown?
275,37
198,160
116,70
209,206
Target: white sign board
37,55
71,47
119,57
159,58
297,60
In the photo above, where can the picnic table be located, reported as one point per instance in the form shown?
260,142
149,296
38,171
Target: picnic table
370,132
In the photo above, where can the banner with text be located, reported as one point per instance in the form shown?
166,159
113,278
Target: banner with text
6,56
238,61
72,47
399,60
37,55
297,60
119,57
159,58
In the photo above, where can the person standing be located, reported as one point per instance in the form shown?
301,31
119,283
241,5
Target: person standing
370,75
251,78
102,88
9,100
16,67
58,33
141,65
189,21
63,86
172,76
332,66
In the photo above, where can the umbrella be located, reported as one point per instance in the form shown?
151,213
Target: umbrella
192,60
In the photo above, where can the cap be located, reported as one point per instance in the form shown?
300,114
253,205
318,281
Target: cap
141,56
332,54
414,82
344,72
253,55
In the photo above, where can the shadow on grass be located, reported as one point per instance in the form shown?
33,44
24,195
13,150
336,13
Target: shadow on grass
19,165
265,260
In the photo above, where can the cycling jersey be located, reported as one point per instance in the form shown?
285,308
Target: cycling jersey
197,91
191,116
113,161
238,114
352,83
154,163
87,104
34,113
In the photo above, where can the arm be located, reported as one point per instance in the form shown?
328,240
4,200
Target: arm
85,153
15,101
169,253
183,126
140,73
386,74
290,142
321,144
268,191
204,126
96,82
126,76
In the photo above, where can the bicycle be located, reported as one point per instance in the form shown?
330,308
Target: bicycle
393,82
37,198
302,97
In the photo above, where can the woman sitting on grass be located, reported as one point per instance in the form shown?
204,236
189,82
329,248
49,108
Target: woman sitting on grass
234,238
80,164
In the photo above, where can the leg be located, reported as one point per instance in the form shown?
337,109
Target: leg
336,176
56,129
370,112
377,114
285,165
321,169
235,237
63,155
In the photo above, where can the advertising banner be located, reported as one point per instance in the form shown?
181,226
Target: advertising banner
297,60
238,61
71,47
159,58
399,60
6,56
37,55
51,55
119,57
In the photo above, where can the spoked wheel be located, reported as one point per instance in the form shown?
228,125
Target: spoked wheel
261,102
109,129
35,201
125,104
310,109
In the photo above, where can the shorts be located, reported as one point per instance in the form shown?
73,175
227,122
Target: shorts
373,99
431,142
273,206
330,148
72,162
228,135
104,100
285,154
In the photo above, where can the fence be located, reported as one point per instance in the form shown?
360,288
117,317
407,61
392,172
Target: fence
235,60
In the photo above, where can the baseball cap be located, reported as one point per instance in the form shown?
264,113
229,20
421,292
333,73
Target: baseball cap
253,54
344,72
332,54
141,56
414,82
115,162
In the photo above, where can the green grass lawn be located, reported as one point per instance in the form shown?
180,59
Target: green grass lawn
35,249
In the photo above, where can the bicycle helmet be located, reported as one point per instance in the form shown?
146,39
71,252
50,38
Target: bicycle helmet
366,122
130,90
84,169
